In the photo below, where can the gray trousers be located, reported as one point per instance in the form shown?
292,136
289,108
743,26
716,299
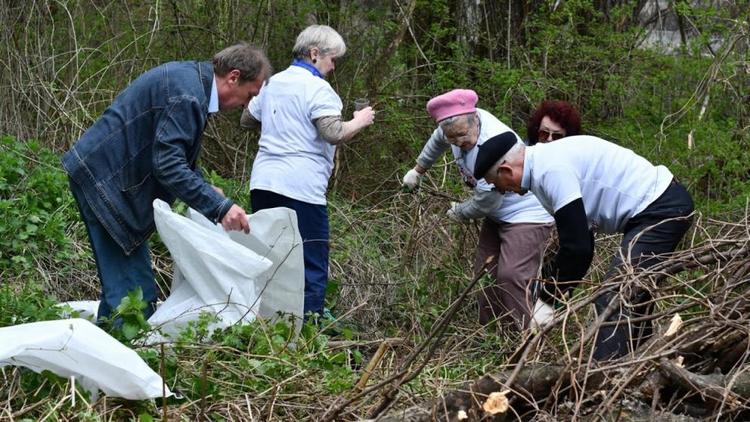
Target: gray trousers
519,249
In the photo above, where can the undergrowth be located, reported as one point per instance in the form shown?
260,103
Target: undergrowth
396,263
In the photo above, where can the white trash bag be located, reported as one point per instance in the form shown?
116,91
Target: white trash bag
274,235
78,348
87,309
235,276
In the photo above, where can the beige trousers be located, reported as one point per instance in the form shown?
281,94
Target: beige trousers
519,249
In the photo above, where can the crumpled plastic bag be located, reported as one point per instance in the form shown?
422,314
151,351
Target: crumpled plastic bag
274,235
78,348
232,275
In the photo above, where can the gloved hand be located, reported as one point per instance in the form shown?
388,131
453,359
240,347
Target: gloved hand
454,215
411,179
542,316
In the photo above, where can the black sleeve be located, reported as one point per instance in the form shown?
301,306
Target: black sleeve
576,247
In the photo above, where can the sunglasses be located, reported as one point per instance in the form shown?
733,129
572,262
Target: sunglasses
544,135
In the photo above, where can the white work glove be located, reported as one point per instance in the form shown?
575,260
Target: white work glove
411,179
543,315
454,215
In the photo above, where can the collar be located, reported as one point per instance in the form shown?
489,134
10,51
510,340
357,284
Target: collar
308,66
213,102
528,161
206,75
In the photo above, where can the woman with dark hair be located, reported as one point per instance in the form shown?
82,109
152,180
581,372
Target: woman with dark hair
552,120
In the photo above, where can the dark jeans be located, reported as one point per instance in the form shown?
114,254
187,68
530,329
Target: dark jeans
118,273
312,220
670,216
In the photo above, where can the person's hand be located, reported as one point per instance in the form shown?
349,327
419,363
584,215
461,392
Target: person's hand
235,219
542,316
364,117
411,179
218,189
454,215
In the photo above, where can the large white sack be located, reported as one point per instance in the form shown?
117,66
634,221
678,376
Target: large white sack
235,276
76,347
219,274
274,234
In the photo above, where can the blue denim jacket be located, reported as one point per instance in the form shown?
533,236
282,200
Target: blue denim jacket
145,146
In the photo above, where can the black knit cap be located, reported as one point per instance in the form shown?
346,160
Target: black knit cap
491,151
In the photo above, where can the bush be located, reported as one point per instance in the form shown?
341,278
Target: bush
36,207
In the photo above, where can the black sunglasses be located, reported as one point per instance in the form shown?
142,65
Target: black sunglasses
544,135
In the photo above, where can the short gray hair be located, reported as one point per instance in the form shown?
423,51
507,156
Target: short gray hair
251,61
322,37
471,118
514,153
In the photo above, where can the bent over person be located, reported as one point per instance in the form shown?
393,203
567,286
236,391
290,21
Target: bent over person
145,146
300,121
586,181
515,228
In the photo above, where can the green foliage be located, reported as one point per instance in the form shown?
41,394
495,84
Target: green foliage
128,322
390,251
252,358
35,207
25,303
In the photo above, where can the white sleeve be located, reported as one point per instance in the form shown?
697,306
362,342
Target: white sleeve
325,102
255,105
558,188
484,186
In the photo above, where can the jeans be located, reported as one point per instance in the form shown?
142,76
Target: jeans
118,272
313,227
642,244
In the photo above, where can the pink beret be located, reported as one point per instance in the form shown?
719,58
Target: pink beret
452,103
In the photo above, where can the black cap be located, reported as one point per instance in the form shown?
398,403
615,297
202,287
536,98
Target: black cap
491,151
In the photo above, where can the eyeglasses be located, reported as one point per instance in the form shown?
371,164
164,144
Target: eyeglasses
544,135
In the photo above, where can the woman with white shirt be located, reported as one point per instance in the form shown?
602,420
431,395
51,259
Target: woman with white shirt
300,121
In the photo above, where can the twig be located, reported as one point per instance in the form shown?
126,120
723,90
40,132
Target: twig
403,376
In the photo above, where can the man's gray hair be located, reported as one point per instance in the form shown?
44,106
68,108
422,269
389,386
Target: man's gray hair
251,61
514,153
471,119
322,37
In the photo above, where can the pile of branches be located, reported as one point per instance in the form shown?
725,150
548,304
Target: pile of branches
695,365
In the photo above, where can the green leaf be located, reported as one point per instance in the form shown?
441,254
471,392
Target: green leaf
130,331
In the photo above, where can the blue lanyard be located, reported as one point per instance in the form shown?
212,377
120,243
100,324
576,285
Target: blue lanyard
308,66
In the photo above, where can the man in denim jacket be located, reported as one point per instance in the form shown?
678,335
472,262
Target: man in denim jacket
145,146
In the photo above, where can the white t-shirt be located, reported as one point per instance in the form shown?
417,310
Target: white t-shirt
614,182
293,160
515,208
